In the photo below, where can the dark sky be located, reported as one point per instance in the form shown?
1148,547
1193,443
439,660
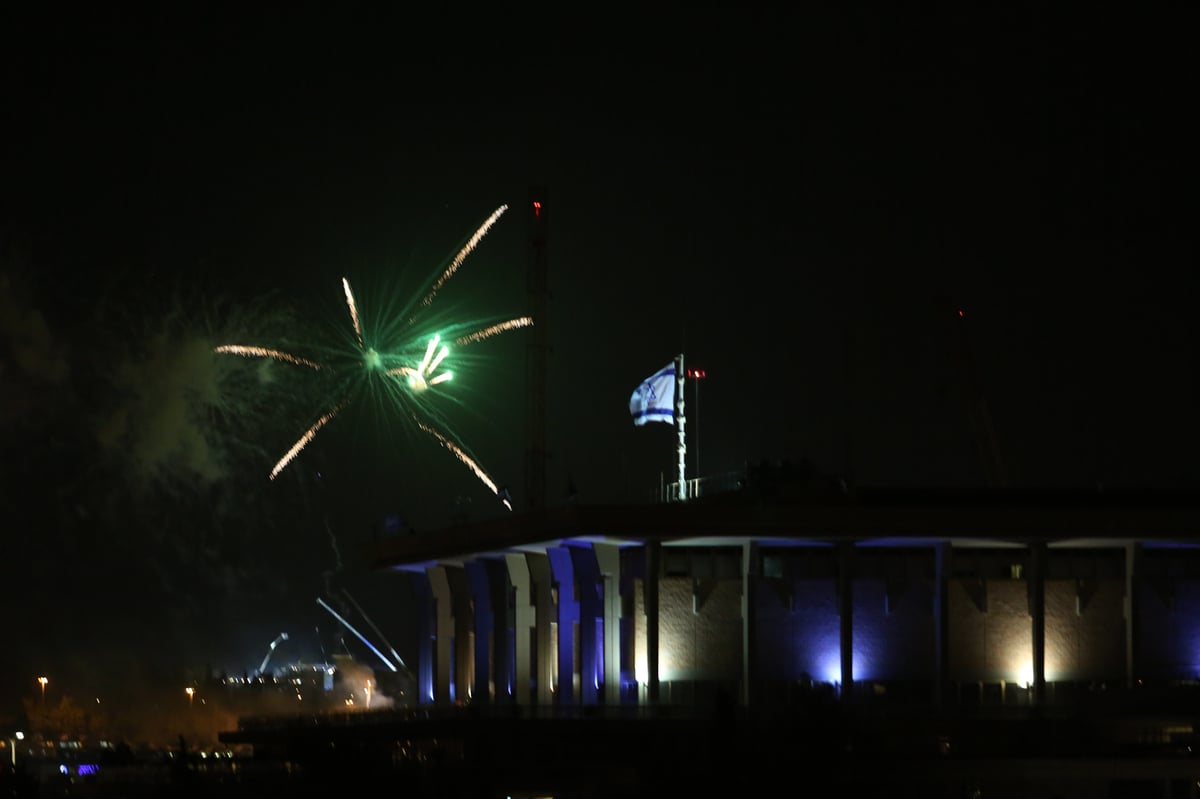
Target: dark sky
799,201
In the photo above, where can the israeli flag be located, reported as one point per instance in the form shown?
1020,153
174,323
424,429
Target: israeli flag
654,399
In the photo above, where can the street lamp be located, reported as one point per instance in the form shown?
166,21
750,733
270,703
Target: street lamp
18,736
191,692
43,681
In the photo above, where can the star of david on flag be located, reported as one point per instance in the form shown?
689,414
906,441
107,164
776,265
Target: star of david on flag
654,399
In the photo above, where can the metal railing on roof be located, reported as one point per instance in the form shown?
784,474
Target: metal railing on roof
700,487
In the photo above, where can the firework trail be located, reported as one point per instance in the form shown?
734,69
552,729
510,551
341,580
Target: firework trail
494,330
300,444
463,253
399,367
466,459
172,417
265,352
353,311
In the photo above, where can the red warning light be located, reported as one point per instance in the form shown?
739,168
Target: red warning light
961,314
537,208
696,374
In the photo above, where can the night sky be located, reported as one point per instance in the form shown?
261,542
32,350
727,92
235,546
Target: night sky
800,202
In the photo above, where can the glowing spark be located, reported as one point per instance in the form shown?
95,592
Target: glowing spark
418,378
433,342
494,330
440,357
264,352
471,244
462,456
353,310
303,441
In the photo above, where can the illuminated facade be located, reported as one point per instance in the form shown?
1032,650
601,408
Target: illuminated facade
991,599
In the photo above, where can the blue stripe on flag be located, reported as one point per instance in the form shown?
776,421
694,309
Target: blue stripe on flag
651,414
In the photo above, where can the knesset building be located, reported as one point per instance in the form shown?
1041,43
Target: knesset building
756,600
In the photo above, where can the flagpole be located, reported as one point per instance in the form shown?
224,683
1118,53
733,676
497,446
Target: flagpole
680,419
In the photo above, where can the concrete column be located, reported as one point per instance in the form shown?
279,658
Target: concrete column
609,558
653,568
464,624
845,603
1133,567
523,621
591,620
943,559
443,606
503,659
568,616
543,582
477,580
751,571
1036,586
426,624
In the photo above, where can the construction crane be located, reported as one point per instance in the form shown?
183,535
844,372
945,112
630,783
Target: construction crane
270,651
